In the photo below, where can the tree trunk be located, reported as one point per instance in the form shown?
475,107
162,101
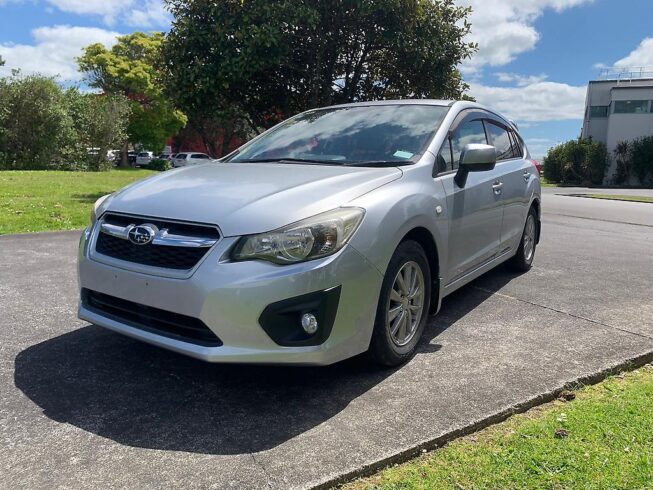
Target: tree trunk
124,155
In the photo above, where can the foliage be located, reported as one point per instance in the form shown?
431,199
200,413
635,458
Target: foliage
43,126
642,159
577,162
607,443
53,200
35,126
100,124
624,162
265,60
159,164
129,69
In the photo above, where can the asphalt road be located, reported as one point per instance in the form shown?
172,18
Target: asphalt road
81,407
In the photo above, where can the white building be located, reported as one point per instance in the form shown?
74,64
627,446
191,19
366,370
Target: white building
619,107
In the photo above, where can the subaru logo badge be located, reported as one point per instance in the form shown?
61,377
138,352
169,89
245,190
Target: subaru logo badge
142,234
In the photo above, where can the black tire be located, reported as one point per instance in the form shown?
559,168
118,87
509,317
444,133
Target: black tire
383,349
523,259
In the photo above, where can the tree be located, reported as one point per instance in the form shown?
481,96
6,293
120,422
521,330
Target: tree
34,122
129,68
267,60
44,126
100,124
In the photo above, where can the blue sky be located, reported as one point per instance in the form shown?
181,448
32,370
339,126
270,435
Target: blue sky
534,62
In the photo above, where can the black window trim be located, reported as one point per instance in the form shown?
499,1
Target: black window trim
486,116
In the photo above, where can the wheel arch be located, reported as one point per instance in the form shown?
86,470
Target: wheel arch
426,240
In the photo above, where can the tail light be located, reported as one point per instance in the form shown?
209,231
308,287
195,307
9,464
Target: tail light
538,166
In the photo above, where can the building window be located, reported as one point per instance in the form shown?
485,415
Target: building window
598,111
631,106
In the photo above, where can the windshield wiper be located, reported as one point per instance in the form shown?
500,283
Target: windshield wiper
289,160
380,163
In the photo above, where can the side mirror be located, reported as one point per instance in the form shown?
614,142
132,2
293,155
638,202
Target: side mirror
475,158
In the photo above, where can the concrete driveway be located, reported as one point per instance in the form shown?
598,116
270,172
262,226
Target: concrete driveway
81,407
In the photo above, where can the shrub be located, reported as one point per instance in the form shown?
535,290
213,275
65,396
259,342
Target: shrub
159,164
577,162
624,162
641,154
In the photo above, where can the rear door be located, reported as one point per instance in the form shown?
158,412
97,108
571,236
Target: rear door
516,173
475,210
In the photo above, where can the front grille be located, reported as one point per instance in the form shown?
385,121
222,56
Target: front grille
177,258
165,323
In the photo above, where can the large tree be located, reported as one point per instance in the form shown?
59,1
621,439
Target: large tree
266,60
130,68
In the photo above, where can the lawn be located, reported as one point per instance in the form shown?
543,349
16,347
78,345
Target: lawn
620,198
55,200
601,440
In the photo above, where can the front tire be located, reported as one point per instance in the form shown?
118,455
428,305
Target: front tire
523,259
403,306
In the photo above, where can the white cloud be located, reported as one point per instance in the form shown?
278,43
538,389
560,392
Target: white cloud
107,9
540,101
152,13
520,80
504,28
54,50
639,57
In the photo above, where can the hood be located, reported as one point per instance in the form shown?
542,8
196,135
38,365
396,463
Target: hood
248,198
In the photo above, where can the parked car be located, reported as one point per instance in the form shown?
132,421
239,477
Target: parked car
188,159
334,233
144,158
131,157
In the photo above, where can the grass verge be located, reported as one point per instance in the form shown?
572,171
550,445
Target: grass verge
55,200
601,440
620,198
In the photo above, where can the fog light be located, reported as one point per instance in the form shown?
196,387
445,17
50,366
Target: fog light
309,323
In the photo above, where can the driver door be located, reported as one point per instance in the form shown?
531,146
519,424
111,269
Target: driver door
475,210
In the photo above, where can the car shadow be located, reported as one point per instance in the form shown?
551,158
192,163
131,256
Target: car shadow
142,396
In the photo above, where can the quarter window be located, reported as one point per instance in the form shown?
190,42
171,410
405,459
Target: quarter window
470,132
631,106
597,111
501,140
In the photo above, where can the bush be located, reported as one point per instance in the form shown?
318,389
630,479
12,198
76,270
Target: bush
641,155
159,164
577,162
43,126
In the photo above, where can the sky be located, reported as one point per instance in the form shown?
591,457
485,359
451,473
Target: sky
534,60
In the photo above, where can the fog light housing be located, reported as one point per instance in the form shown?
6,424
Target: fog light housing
309,323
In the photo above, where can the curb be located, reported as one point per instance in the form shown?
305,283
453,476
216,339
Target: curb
521,407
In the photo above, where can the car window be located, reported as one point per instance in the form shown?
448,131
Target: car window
469,132
500,139
200,156
444,160
181,155
517,150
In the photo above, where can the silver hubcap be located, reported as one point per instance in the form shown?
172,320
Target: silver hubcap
405,305
529,238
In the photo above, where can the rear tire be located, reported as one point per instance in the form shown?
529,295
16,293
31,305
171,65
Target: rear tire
403,306
523,259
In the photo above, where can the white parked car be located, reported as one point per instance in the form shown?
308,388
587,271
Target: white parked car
144,158
189,159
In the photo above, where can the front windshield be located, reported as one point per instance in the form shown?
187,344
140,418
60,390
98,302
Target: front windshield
359,135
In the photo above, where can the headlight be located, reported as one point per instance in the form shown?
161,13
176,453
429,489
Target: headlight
95,208
309,239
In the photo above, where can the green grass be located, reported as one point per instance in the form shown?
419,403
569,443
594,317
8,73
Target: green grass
55,200
609,446
620,198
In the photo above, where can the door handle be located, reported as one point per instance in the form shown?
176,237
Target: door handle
497,186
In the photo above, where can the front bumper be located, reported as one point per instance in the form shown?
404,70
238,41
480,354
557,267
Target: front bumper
230,297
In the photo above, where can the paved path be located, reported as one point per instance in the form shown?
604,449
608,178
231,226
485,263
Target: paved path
81,407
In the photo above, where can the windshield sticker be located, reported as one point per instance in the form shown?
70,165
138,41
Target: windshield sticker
403,154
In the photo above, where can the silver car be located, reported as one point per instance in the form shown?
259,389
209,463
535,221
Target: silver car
333,234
